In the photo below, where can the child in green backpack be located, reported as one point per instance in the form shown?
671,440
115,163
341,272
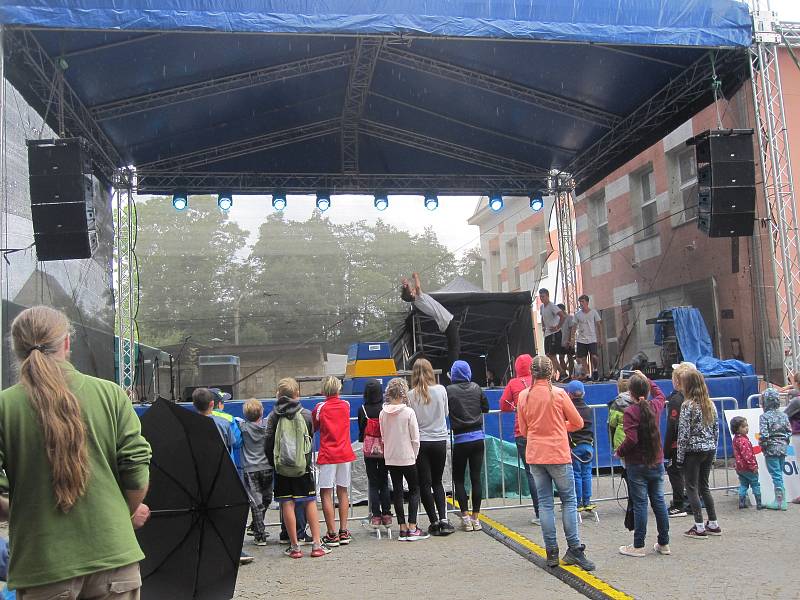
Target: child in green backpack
293,489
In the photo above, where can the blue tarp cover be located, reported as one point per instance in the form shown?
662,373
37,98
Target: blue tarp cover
714,23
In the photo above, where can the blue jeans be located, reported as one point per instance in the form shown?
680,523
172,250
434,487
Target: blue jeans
522,445
560,475
775,469
643,483
582,470
748,480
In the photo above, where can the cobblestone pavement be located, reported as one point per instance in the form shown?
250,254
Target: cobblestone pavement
463,566
755,557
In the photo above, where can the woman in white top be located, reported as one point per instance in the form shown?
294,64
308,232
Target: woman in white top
429,402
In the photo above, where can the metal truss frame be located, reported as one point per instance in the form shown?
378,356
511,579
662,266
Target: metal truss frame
125,298
419,141
162,182
497,85
672,99
259,143
791,33
776,171
562,186
47,78
361,71
221,85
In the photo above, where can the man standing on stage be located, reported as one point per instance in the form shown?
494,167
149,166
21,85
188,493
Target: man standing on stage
412,292
552,320
589,332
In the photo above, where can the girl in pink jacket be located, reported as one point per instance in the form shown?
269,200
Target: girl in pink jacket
400,434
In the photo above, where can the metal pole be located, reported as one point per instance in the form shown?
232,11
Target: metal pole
3,199
502,462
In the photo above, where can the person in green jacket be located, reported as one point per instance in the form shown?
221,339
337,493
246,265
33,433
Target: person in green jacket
77,472
616,410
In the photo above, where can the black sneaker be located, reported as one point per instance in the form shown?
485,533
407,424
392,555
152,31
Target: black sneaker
445,528
552,557
245,558
577,556
435,528
305,539
331,540
675,511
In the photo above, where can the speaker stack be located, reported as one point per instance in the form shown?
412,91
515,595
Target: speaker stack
62,199
726,201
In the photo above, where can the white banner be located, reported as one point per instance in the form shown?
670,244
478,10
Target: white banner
791,474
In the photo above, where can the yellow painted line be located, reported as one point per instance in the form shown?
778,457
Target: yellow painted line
584,576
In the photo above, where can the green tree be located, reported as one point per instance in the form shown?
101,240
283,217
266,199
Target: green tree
187,271
470,266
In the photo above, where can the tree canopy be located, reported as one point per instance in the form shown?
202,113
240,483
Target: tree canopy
302,281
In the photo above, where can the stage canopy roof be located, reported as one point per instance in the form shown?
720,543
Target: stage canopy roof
371,95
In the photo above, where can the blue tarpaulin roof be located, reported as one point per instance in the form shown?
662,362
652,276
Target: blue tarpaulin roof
457,88
711,23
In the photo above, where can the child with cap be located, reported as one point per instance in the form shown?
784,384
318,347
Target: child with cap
582,447
774,436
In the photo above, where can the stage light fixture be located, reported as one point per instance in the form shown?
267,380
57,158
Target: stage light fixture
278,200
180,200
225,201
537,202
431,201
496,202
323,201
381,201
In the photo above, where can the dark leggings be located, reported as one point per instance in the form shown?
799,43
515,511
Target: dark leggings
696,469
472,453
408,472
430,467
378,483
453,343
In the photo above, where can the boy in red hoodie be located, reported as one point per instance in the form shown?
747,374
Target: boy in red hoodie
332,419
508,403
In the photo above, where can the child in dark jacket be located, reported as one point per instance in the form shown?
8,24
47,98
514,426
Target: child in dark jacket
679,507
582,448
746,466
257,472
380,501
775,433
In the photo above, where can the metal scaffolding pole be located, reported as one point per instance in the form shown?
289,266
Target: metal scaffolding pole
776,171
562,187
3,197
125,298
361,71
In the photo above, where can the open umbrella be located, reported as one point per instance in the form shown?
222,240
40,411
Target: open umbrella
199,509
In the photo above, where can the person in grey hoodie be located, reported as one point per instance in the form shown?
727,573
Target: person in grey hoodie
257,472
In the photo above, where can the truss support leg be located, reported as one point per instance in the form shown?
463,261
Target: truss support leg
562,186
124,299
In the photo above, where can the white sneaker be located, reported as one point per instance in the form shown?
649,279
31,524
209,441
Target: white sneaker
466,521
536,521
629,550
662,549
476,524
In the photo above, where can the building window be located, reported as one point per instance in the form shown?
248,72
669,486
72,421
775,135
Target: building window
649,206
512,264
543,255
494,270
687,180
599,215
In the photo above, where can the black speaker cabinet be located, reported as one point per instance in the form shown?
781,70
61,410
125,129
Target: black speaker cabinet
727,200
727,145
726,224
62,199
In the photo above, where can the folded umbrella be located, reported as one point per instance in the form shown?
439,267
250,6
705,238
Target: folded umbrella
199,509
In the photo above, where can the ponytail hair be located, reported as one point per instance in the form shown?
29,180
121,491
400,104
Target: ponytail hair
542,368
422,378
649,438
37,334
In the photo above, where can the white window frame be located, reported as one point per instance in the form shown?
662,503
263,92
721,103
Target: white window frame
649,175
684,186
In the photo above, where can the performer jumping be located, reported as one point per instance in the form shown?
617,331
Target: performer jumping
444,319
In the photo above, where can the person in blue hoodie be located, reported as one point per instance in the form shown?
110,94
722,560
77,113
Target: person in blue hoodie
466,405
774,435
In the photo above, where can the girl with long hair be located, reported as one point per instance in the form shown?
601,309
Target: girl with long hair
429,402
698,432
77,467
545,415
644,462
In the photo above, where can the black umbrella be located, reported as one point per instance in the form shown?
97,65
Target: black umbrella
199,509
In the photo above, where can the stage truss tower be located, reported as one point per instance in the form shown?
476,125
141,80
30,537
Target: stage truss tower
125,298
776,172
562,187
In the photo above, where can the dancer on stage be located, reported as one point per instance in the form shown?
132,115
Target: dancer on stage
412,292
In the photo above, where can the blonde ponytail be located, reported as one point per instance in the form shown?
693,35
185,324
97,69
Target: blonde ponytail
542,368
37,334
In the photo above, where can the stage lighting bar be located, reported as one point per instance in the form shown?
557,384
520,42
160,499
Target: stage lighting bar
381,202
496,202
537,202
225,201
180,200
431,201
279,200
323,201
